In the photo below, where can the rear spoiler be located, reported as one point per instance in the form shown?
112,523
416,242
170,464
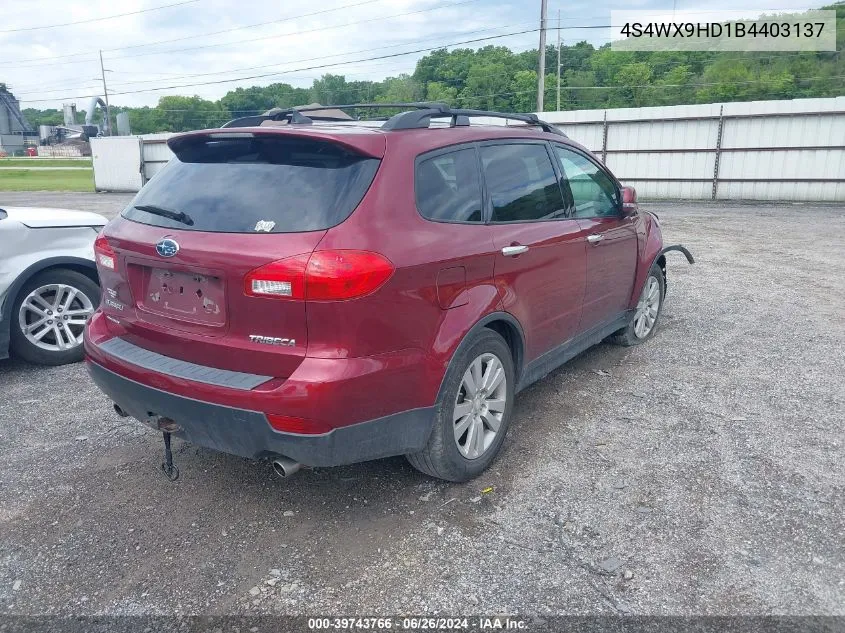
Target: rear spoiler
356,140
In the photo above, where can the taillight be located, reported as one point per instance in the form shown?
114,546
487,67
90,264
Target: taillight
333,275
322,276
104,253
283,279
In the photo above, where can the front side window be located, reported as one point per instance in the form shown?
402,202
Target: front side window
593,191
522,183
448,187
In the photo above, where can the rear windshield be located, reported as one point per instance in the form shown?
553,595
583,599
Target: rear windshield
260,184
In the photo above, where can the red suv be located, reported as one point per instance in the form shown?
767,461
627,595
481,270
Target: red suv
321,292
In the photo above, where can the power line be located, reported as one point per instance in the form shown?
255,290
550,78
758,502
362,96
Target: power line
695,85
654,65
447,81
190,37
310,59
475,98
275,74
175,76
263,38
108,17
224,72
237,28
302,32
390,56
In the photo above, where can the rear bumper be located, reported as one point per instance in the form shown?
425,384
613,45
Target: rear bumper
248,433
344,410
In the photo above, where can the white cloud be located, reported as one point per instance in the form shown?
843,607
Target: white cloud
279,47
283,46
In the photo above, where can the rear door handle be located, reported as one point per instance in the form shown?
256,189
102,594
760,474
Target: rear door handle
513,251
595,239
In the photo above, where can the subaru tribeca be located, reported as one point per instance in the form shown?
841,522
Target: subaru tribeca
317,292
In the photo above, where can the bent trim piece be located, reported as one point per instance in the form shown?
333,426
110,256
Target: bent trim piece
676,247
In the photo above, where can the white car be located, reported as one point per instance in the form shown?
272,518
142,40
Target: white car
48,282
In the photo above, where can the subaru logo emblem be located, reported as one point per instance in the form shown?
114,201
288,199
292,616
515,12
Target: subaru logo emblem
167,247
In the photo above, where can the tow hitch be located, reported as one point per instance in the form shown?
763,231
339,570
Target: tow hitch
170,471
167,427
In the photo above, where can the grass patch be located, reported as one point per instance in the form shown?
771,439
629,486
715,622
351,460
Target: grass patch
45,162
46,180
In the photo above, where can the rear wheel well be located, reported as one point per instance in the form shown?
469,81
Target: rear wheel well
509,332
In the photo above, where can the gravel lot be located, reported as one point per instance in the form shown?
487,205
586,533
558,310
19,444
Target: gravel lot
701,473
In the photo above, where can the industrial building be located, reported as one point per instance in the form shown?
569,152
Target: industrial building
15,131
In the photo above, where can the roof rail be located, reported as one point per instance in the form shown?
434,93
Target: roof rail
460,116
294,115
418,115
276,114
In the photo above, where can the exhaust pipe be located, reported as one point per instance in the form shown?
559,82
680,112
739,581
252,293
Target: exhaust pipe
120,411
285,467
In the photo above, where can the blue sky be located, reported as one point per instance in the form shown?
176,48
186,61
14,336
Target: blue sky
49,66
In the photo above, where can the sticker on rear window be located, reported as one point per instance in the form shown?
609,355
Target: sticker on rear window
265,225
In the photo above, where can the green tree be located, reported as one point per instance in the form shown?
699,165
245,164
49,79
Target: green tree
606,63
179,114
494,77
672,88
255,100
524,91
726,80
332,89
549,94
401,89
437,91
487,88
633,80
577,92
42,117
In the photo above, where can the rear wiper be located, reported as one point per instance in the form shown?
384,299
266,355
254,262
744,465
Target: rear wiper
178,216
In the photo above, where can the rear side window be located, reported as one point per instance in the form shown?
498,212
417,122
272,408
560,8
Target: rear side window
522,183
244,185
448,187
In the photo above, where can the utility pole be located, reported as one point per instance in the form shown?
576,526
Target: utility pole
558,60
541,79
107,126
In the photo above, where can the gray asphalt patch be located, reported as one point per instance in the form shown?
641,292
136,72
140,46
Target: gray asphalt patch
700,473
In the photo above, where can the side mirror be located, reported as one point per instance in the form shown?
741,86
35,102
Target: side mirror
629,202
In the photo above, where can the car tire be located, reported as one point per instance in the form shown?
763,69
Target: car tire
72,298
645,321
464,441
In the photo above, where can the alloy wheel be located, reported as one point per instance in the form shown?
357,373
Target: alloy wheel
480,405
52,317
646,314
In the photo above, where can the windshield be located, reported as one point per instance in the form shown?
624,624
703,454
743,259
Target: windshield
260,184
